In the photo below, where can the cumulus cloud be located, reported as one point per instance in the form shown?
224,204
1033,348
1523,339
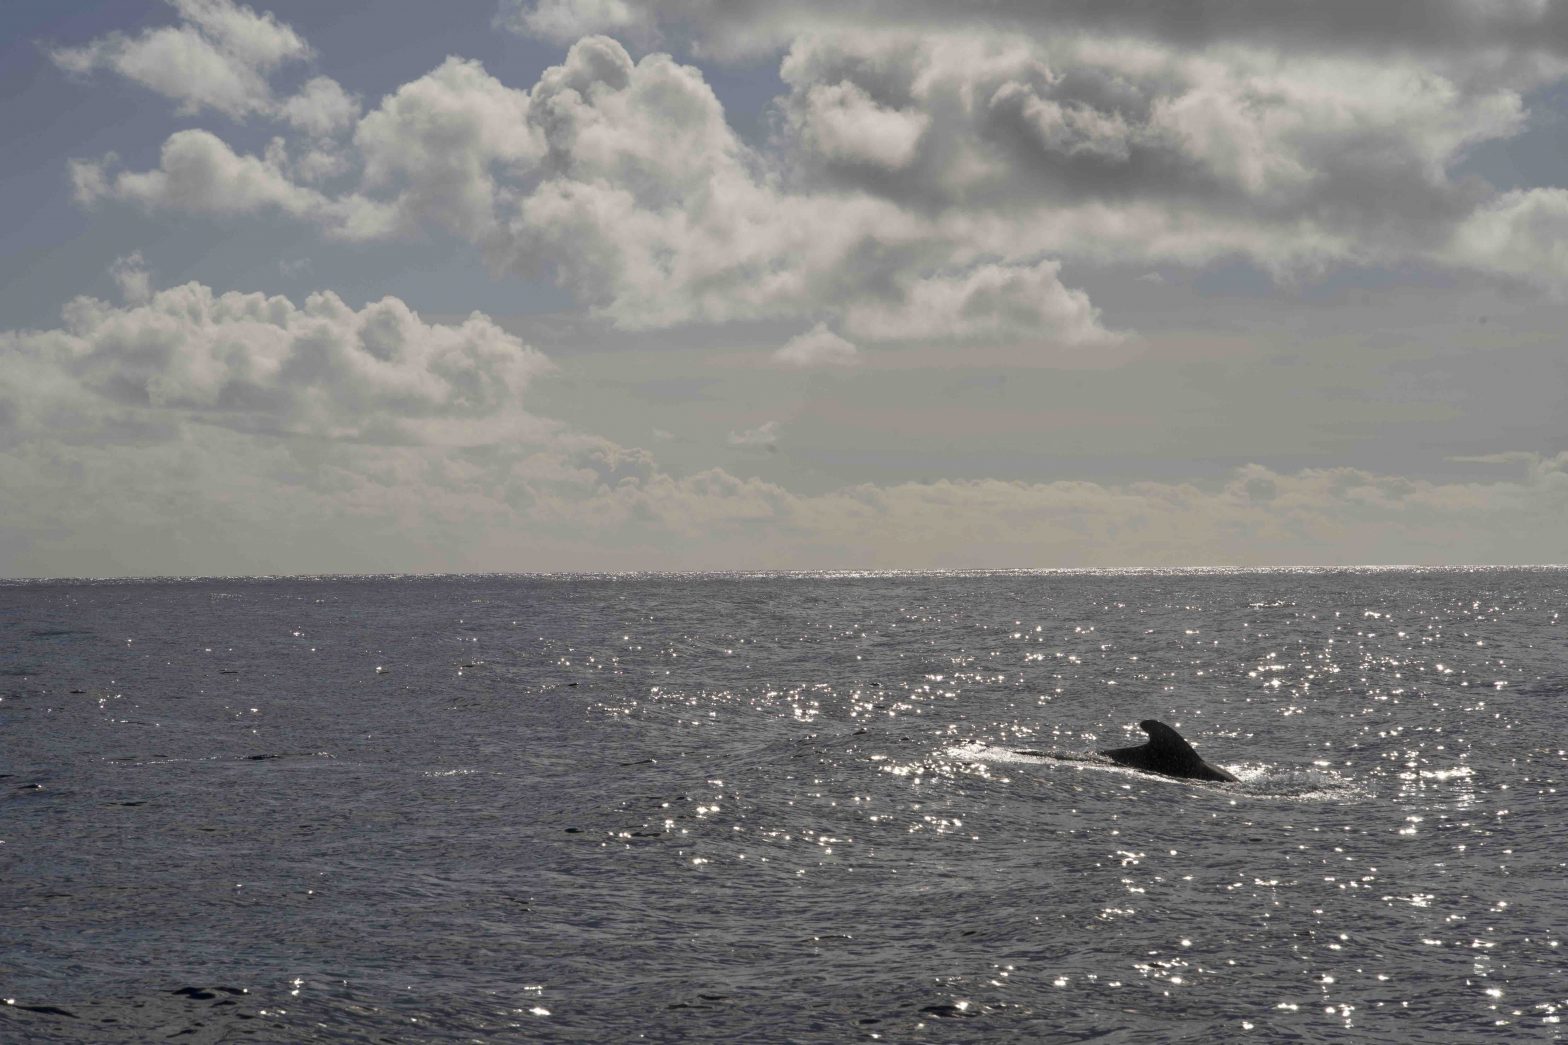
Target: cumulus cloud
259,363
438,142
653,210
817,347
935,173
620,177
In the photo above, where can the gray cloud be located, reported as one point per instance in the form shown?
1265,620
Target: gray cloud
739,28
1342,146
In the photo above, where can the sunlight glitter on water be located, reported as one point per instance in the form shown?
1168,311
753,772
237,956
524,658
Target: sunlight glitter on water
800,801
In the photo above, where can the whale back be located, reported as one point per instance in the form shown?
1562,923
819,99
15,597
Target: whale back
1167,753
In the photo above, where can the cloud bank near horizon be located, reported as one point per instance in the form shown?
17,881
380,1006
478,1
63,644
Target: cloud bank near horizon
316,437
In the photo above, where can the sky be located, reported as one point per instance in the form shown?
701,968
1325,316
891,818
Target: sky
548,285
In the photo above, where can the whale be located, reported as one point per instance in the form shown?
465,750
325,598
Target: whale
1168,754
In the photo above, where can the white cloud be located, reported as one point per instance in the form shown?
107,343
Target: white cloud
131,276
621,178
259,41
844,124
439,141
653,211
1523,234
1014,302
321,108
198,172
652,127
817,347
565,21
218,57
764,437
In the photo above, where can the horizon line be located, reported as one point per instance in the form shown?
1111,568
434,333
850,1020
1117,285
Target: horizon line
807,573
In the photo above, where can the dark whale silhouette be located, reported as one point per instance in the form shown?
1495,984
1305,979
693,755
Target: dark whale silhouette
1167,753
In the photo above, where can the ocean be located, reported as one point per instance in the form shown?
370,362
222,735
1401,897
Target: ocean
775,808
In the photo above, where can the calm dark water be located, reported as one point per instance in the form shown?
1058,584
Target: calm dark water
784,808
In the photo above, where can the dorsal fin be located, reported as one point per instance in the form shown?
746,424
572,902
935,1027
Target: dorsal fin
1164,738
1167,753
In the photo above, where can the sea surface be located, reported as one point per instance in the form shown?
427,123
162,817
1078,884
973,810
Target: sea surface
785,808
